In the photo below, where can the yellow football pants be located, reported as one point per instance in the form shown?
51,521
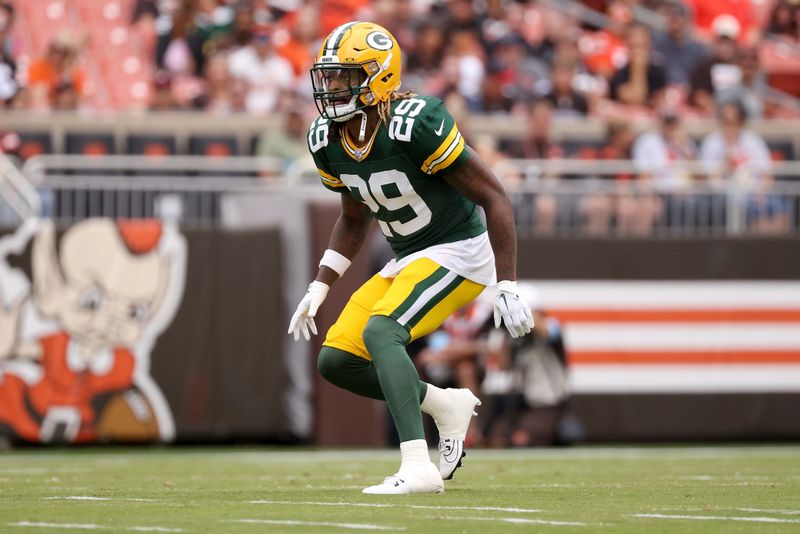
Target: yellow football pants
420,298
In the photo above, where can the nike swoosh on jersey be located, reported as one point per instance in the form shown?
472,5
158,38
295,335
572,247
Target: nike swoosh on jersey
441,127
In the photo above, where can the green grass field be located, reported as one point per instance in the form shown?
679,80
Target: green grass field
660,489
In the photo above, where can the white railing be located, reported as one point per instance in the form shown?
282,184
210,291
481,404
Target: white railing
37,167
617,197
550,197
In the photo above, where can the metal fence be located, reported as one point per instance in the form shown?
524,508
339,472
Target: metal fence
600,198
550,197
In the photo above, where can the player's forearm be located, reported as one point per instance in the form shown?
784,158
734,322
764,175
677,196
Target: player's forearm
347,238
503,236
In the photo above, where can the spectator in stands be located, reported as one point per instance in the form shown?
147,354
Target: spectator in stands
161,98
605,51
642,81
8,66
180,43
460,16
268,75
496,94
300,44
719,75
10,41
143,20
65,97
598,206
517,75
677,47
753,86
287,142
464,66
243,26
423,71
538,144
709,13
736,155
219,96
657,153
783,21
58,66
657,156
567,102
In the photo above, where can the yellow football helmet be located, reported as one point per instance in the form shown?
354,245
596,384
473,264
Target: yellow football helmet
357,66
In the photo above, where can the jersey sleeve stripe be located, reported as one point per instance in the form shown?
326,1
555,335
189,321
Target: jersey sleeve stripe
455,150
330,179
448,141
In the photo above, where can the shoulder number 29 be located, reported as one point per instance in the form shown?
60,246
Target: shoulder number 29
403,119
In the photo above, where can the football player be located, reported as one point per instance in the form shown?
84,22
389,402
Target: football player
400,158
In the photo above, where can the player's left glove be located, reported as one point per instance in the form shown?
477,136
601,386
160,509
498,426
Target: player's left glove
303,318
515,313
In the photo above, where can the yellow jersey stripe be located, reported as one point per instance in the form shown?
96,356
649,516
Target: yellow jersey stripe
441,150
449,156
330,180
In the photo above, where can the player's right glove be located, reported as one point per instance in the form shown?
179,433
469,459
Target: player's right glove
303,318
514,312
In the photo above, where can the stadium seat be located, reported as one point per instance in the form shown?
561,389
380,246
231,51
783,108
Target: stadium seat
213,146
151,145
34,144
90,144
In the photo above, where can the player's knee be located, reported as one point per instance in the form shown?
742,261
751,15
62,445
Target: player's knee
329,364
381,332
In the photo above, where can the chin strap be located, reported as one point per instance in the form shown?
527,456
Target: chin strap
362,131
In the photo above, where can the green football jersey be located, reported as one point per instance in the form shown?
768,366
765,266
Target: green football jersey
399,174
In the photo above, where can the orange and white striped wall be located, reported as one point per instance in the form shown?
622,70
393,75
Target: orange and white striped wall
678,336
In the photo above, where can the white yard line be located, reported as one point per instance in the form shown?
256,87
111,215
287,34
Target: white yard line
717,518
296,523
93,498
91,526
76,498
518,521
413,506
769,511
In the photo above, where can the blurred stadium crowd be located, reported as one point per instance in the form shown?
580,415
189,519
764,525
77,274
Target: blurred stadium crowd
493,56
535,63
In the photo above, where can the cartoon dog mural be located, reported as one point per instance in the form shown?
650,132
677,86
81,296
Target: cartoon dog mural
75,338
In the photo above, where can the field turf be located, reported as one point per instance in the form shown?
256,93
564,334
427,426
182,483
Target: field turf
659,489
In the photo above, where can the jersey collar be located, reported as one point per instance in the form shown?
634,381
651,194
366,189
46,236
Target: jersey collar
359,154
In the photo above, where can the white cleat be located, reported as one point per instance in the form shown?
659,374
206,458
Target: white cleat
453,427
413,479
451,455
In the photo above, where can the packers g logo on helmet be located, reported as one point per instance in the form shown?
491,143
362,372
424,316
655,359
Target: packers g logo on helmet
357,66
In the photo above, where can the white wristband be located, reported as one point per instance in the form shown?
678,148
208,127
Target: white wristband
335,261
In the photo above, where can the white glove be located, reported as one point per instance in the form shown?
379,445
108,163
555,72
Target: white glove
516,314
303,318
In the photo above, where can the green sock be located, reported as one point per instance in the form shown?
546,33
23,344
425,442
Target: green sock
386,340
353,373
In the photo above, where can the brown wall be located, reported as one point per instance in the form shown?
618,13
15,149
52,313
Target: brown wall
341,418
344,419
758,258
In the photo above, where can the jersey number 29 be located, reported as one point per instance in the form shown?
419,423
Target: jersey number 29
403,119
374,194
